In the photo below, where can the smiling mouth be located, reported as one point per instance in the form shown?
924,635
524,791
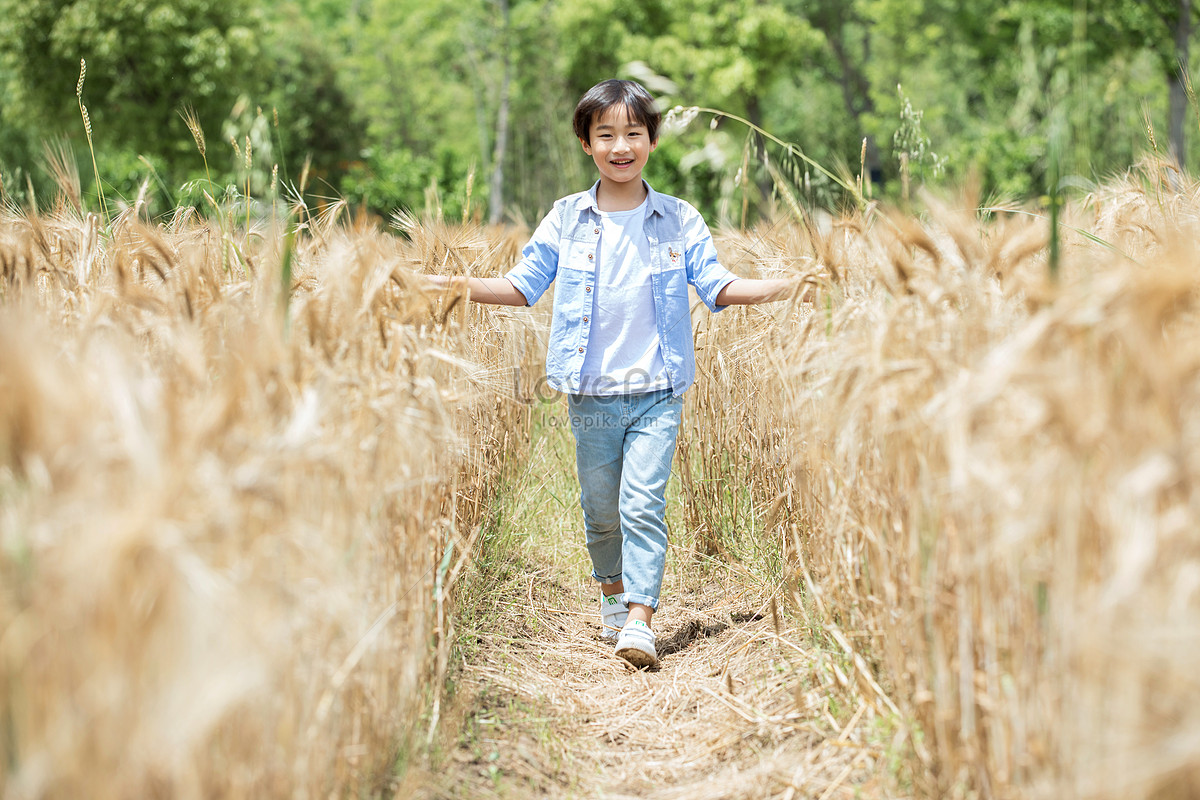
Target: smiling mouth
622,163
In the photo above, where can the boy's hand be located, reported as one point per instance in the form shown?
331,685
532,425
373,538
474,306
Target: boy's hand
442,281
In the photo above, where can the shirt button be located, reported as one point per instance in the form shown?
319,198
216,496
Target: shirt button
581,349
595,230
587,289
585,319
590,256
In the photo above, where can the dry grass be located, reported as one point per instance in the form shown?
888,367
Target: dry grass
740,705
227,543
555,714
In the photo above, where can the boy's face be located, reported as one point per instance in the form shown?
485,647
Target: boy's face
619,145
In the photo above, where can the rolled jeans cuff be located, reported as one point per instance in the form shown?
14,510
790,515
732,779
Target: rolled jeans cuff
603,579
641,599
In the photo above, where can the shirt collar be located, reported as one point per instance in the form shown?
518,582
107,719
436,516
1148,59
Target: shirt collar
654,201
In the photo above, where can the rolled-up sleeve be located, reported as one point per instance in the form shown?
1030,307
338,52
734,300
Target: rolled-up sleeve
704,270
534,273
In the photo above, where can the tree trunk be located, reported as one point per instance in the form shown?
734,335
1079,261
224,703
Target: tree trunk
856,90
1178,93
496,195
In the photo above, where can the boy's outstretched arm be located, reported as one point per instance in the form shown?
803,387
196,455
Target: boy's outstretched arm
749,291
496,291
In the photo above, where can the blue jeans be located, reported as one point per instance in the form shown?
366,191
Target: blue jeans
624,445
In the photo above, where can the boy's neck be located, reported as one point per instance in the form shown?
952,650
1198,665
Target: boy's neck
613,196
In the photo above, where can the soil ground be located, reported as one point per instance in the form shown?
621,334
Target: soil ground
741,705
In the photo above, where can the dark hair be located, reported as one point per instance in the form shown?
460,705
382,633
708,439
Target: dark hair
639,105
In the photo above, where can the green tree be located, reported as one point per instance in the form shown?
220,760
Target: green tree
318,119
411,68
15,145
990,74
146,60
732,56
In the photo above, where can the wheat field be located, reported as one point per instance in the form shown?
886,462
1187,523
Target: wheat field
236,499
229,538
992,502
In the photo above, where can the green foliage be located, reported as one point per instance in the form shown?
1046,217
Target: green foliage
252,156
911,145
600,31
389,180
125,173
386,181
1010,164
386,100
147,59
16,147
408,60
730,54
679,168
239,72
312,112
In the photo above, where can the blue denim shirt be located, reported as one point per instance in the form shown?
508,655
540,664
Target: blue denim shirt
564,248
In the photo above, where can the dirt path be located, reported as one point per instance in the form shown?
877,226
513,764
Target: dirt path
739,707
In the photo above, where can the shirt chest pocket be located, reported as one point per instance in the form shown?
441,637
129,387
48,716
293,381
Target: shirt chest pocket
579,256
672,268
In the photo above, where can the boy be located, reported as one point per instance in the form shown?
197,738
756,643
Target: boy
621,344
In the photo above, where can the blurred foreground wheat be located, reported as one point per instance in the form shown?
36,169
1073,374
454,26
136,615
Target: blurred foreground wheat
226,539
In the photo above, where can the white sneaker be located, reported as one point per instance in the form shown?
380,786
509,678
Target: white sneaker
613,614
636,645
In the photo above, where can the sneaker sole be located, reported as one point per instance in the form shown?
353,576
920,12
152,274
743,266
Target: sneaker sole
636,657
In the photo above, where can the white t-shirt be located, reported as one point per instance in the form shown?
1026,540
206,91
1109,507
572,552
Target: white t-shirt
623,354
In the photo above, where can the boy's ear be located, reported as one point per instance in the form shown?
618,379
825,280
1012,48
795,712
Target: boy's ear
587,148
